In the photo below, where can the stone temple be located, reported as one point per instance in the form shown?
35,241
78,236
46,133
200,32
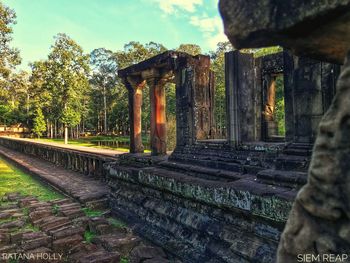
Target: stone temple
220,200
257,195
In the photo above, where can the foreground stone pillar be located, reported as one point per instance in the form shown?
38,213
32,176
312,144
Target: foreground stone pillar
320,219
158,114
135,87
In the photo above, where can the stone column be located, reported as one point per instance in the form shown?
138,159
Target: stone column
135,86
158,115
241,98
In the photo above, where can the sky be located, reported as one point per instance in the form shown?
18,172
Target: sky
113,23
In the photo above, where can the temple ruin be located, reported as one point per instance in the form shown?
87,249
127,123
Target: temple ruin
223,200
212,200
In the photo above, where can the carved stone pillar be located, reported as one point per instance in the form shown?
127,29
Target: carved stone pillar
158,115
135,86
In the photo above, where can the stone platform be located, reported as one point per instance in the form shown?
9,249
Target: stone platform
203,213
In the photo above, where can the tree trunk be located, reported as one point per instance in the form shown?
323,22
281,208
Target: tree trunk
48,128
65,134
51,130
55,129
105,110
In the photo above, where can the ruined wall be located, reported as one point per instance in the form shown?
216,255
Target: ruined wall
309,90
201,220
85,163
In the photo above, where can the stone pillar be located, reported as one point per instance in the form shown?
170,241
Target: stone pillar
135,86
241,98
158,115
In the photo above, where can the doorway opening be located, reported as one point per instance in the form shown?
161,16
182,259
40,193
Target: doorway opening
274,112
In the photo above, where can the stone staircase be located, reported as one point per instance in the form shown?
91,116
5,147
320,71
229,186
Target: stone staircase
290,167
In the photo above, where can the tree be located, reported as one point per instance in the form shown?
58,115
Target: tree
9,57
103,79
218,66
39,123
67,80
191,49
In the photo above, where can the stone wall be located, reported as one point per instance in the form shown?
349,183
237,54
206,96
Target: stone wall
88,164
201,219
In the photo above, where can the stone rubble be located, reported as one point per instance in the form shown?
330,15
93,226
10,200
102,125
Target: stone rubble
57,228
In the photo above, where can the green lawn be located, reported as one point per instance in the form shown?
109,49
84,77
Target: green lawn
14,180
91,141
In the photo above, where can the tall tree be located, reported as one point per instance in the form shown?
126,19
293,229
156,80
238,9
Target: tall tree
104,78
67,80
9,57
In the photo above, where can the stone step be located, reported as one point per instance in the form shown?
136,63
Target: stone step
200,171
292,179
214,164
292,162
298,152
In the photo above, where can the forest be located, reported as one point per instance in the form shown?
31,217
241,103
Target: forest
76,93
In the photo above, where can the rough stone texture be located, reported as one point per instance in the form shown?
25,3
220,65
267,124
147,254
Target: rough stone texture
319,222
309,87
299,25
232,219
62,238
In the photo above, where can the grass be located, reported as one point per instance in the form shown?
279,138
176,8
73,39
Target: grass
124,260
92,213
88,236
14,180
91,141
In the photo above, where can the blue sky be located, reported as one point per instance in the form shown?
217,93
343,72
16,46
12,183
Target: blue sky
113,23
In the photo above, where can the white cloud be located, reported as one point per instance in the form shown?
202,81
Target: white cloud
212,29
171,6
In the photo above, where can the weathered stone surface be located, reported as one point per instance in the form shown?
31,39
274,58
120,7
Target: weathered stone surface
141,253
12,224
4,238
100,257
36,243
65,244
319,221
121,242
299,25
67,231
